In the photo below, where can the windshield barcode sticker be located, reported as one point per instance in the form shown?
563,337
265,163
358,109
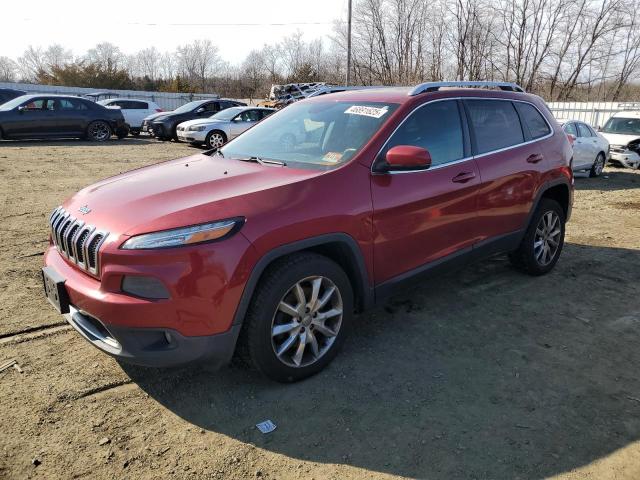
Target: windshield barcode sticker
374,112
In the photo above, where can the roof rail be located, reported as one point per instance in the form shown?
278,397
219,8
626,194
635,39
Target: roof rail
435,86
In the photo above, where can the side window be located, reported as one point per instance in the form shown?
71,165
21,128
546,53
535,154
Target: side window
435,126
265,113
37,104
135,105
495,123
212,107
570,128
68,104
583,130
533,120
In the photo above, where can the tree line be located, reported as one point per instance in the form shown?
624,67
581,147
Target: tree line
561,49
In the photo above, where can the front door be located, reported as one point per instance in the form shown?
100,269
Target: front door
422,216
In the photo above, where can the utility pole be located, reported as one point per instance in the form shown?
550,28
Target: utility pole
348,79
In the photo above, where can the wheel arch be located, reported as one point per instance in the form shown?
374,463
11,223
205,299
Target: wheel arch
558,190
339,247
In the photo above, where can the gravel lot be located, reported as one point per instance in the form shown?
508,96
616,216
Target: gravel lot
483,373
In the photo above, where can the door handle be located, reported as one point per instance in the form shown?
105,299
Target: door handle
463,177
535,158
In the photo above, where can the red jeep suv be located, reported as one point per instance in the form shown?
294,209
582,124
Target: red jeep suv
267,246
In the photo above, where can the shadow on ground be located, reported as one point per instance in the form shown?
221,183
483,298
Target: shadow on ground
613,178
78,143
483,373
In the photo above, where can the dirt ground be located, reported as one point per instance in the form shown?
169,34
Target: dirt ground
482,374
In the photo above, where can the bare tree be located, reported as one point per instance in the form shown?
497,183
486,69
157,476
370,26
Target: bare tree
8,69
31,63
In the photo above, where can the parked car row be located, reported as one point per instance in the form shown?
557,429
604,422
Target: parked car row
134,111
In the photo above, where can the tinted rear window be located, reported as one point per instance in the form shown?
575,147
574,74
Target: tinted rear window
495,123
534,121
571,129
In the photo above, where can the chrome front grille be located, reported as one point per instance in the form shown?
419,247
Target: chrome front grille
77,241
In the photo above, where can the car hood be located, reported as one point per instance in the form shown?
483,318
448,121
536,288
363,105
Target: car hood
156,115
181,192
200,121
619,138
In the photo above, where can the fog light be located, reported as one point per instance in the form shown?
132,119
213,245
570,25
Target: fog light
145,287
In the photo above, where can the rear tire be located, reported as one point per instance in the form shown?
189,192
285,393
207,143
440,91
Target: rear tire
543,241
98,131
311,331
597,167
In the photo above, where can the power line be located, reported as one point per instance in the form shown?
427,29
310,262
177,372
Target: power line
279,24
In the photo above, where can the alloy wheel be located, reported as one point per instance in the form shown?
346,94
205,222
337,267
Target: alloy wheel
99,131
216,140
307,321
547,238
599,165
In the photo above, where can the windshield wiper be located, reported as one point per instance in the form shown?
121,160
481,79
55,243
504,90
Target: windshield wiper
262,161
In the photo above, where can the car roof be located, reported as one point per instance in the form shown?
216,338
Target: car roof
40,95
627,114
122,98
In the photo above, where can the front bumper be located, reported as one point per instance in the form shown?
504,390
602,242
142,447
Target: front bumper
627,158
190,136
197,321
150,347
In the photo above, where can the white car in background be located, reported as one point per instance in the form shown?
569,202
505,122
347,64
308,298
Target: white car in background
133,110
590,149
622,131
218,129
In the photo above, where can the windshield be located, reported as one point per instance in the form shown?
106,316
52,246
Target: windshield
625,126
227,114
324,134
11,104
187,107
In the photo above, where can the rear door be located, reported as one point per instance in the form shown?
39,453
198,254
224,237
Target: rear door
422,216
511,159
589,143
70,116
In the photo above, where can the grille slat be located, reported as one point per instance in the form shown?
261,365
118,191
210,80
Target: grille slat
76,241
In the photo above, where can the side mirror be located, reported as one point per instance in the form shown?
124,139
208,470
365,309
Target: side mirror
408,157
22,108
599,128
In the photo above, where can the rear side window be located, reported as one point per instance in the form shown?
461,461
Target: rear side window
533,120
134,105
495,123
436,127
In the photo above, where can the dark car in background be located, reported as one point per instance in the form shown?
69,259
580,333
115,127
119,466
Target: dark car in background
164,126
59,116
7,94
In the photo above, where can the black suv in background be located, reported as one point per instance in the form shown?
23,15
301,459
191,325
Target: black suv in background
7,94
59,116
164,126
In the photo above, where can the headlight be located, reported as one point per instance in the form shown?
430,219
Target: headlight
178,237
198,128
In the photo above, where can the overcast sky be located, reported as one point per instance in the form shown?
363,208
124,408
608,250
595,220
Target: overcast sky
136,24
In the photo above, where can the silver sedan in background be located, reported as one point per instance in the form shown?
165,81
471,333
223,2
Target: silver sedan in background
590,149
218,129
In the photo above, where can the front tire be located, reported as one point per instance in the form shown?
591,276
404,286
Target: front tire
99,131
597,167
215,139
543,241
298,318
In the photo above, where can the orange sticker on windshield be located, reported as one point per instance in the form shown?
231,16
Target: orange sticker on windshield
332,157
